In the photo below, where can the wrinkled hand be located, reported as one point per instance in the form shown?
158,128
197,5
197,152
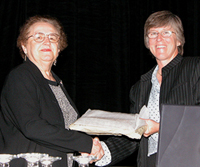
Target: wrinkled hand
152,127
97,150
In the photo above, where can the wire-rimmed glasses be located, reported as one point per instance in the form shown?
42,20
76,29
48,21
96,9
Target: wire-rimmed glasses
40,37
164,34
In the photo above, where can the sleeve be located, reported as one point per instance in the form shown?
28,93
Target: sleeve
195,80
121,147
106,159
21,106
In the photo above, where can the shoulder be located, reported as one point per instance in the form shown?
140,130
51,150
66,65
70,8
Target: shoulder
25,74
190,60
189,64
19,70
26,69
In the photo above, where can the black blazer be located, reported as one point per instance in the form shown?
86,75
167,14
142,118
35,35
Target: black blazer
180,85
32,120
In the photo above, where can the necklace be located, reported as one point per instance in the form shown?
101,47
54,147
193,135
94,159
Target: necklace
159,73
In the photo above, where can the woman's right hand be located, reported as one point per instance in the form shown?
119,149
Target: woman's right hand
97,150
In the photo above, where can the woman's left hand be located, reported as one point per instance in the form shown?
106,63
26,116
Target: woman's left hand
152,127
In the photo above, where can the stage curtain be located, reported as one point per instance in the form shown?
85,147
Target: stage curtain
106,53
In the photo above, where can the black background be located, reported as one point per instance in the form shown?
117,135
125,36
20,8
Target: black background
106,52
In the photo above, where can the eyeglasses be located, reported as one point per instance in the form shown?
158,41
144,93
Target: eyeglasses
40,37
165,34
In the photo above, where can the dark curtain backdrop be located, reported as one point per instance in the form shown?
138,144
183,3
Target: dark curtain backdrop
106,54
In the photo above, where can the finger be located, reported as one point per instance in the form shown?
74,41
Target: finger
96,140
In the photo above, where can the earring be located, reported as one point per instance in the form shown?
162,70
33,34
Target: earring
25,57
54,63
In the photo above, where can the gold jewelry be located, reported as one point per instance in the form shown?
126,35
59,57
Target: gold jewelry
25,57
54,63
159,73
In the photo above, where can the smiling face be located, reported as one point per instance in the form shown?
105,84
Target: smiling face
164,49
43,53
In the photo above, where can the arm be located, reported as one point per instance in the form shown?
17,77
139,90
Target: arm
32,112
121,147
115,149
195,80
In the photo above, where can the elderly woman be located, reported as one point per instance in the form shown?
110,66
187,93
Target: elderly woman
36,108
174,80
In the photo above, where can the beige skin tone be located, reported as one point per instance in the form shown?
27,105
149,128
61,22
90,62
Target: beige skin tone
164,50
43,55
97,150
